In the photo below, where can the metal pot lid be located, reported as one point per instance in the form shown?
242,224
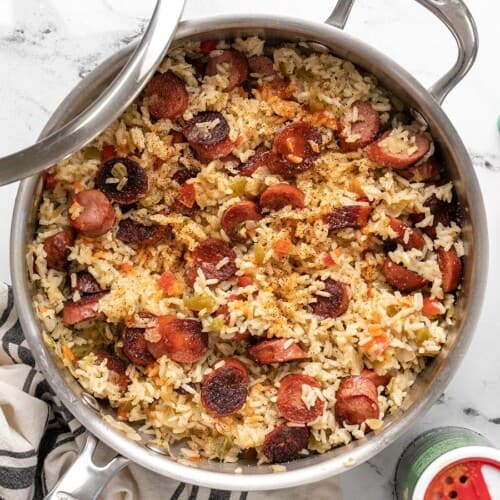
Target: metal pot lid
108,107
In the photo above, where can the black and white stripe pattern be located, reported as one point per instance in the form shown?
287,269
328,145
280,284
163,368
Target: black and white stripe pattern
24,472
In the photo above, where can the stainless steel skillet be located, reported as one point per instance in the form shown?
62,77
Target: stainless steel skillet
84,479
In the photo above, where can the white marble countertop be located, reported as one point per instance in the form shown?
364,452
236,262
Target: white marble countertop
47,46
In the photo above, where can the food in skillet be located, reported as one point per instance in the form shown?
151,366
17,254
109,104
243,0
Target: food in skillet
262,253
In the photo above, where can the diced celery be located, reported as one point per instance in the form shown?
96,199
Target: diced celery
91,153
238,186
199,302
259,253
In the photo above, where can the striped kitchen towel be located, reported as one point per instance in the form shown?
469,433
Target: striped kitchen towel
40,439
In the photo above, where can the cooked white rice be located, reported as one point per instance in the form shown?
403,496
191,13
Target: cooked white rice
164,397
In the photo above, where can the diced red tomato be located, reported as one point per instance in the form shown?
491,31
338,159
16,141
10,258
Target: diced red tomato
328,260
283,247
108,151
245,280
126,267
431,307
186,195
378,343
169,284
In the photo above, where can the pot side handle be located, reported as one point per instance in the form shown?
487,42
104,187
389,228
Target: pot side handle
84,480
457,18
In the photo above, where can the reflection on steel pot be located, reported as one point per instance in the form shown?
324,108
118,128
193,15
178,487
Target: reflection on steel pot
431,381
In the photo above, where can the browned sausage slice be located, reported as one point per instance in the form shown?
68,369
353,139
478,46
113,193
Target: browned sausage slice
296,147
407,237
401,278
290,403
376,378
135,346
208,256
93,213
86,284
85,308
167,96
208,134
261,66
115,364
355,216
139,235
259,159
182,175
181,340
122,180
358,126
428,170
57,248
284,443
281,195
276,351
336,303
235,216
356,400
393,153
450,266
444,213
238,67
224,390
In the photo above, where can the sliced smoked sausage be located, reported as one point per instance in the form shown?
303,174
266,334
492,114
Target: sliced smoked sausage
356,400
450,266
407,237
86,284
401,278
290,403
429,170
208,134
135,346
280,195
276,351
444,213
207,257
224,390
238,67
355,216
296,147
85,308
359,126
116,365
377,379
261,66
285,443
392,152
122,180
261,158
139,235
181,340
167,96
234,217
92,213
337,301
57,249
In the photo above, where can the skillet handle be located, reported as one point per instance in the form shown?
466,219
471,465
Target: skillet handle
84,480
457,18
